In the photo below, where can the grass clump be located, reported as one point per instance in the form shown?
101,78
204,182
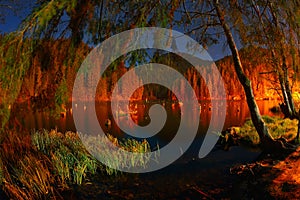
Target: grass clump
35,176
26,173
277,126
41,165
100,147
70,159
1,172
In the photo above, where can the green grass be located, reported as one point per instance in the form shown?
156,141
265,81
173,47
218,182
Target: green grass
41,165
117,159
277,126
70,159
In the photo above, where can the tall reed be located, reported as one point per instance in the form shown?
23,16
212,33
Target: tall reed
42,164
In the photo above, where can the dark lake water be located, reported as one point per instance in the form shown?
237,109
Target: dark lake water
237,113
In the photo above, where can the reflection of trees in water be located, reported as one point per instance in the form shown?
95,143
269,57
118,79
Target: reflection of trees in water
237,113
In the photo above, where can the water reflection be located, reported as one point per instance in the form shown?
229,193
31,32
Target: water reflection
237,113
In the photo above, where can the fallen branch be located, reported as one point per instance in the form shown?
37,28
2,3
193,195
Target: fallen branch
202,193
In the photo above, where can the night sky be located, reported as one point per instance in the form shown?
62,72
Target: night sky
12,21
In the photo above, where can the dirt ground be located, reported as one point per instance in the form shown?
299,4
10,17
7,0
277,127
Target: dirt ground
270,177
275,176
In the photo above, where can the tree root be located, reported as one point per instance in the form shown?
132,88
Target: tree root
278,146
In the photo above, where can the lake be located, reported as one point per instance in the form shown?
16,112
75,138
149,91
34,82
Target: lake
237,113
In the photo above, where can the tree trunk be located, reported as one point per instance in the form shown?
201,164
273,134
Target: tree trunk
257,120
285,107
298,133
288,89
289,109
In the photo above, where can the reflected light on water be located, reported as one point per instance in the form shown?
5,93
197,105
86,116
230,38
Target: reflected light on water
237,113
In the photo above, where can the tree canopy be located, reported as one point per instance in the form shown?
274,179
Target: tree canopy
259,23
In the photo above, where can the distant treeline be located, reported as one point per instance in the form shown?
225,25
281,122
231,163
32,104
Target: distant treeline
50,77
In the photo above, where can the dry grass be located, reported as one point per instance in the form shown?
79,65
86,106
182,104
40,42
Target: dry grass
26,173
41,165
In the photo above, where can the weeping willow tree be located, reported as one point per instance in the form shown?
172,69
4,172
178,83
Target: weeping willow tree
14,61
83,22
275,26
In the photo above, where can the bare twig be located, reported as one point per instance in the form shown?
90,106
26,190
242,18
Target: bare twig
270,72
202,193
187,13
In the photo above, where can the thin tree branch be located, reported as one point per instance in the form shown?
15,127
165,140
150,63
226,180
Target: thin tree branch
187,13
270,72
205,26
